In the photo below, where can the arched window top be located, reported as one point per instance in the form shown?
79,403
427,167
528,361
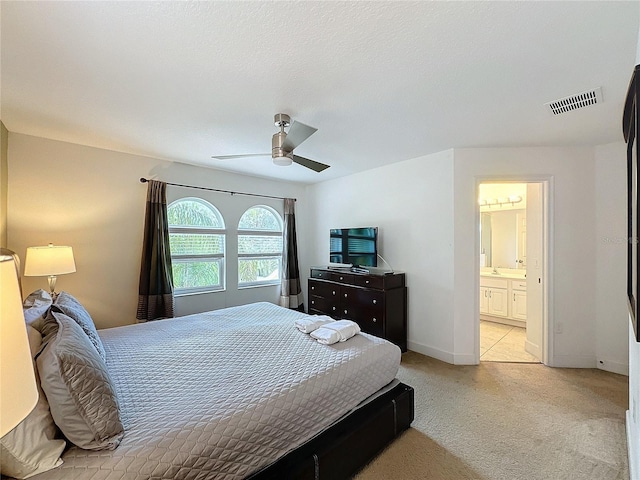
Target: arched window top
194,212
262,218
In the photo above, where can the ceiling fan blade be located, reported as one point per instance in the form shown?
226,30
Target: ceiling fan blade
312,164
228,157
298,133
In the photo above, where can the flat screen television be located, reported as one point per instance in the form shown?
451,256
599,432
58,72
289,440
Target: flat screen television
357,247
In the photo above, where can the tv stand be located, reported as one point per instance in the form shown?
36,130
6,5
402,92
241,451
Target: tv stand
378,303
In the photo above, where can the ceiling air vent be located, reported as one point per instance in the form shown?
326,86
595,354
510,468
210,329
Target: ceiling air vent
566,104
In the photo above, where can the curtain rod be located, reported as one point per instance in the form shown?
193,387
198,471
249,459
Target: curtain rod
145,180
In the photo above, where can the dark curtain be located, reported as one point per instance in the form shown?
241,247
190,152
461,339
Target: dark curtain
155,299
290,293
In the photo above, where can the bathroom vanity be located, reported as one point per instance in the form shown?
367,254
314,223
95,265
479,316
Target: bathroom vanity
503,298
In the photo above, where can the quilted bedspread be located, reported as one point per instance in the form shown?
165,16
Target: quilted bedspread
219,395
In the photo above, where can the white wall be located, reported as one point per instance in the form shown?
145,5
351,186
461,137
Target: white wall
572,277
611,258
427,211
633,414
92,199
411,202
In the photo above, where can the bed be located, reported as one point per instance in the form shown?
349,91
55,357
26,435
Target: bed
241,393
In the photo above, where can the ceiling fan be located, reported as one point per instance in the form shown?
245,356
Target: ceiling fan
283,144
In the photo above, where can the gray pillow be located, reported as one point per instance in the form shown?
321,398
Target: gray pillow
35,307
76,382
67,304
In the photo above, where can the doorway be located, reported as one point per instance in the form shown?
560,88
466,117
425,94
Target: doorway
513,241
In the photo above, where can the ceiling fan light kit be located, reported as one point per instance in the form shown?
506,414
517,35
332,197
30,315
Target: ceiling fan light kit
283,144
282,161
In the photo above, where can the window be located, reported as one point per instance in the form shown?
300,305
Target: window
197,238
259,247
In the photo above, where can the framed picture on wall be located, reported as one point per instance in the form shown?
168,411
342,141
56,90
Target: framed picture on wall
630,130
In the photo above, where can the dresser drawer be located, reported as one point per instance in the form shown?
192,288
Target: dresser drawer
373,281
323,274
371,324
328,306
323,289
342,277
369,299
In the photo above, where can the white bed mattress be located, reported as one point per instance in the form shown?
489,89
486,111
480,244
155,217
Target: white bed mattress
220,395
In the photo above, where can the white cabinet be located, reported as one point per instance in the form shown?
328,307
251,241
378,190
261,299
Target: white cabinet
484,300
498,304
518,300
494,297
504,298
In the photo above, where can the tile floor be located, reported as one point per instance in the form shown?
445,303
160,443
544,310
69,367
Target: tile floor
503,343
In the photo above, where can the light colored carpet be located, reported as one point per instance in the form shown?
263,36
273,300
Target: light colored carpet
507,421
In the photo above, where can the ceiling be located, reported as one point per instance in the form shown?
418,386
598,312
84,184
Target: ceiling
382,81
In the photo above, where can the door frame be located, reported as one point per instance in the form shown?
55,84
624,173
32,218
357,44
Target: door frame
548,323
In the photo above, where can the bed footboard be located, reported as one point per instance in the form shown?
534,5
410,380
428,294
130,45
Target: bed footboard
347,446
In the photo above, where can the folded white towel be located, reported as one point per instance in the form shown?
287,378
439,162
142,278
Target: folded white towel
312,322
339,331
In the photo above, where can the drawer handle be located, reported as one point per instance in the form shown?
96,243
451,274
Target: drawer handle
345,295
375,301
366,282
334,309
334,292
313,288
313,302
375,320
345,312
341,278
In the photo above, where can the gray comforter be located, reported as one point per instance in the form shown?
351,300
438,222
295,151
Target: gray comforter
220,395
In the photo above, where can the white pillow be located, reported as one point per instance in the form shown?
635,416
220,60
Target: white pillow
30,448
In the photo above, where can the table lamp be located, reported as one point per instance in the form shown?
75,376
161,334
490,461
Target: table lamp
49,261
18,391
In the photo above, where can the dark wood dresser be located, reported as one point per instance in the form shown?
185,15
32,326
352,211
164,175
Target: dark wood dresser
378,303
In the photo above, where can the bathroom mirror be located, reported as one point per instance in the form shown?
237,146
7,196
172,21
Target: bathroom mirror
485,239
502,241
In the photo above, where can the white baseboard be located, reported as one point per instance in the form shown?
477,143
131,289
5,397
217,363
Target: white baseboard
533,349
448,357
632,449
573,361
504,321
430,351
464,359
613,367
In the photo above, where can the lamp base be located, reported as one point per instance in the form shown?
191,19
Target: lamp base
52,286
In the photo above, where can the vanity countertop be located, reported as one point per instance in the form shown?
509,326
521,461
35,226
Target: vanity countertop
507,273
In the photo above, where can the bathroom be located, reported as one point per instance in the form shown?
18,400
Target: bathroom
503,273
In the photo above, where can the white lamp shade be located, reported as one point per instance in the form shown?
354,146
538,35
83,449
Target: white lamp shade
48,260
18,392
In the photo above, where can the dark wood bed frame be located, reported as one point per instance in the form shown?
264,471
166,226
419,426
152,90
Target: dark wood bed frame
348,445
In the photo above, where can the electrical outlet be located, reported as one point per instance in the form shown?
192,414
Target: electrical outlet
558,327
